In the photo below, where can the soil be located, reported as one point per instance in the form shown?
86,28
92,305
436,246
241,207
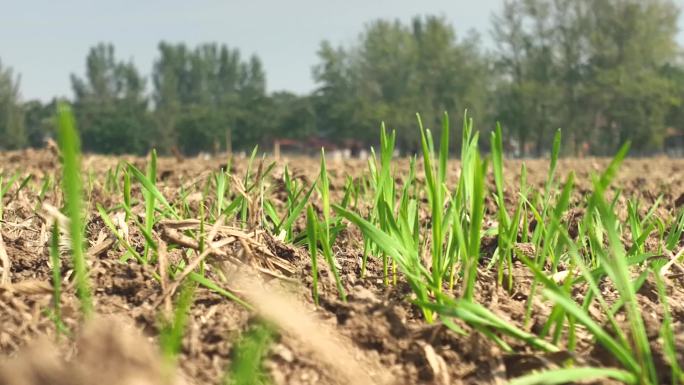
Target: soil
377,332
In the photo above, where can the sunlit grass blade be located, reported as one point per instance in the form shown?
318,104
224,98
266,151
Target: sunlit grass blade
444,148
667,333
24,183
4,189
614,260
45,186
476,218
313,249
150,200
434,190
326,248
211,285
292,216
127,194
391,244
621,353
325,193
248,357
572,375
150,187
56,262
483,319
221,188
110,224
676,231
173,330
504,239
70,147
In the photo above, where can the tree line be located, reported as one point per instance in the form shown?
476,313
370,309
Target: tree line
604,71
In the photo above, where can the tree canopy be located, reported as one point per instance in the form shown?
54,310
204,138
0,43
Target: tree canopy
604,71
11,115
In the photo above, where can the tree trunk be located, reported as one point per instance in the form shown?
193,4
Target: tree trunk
229,141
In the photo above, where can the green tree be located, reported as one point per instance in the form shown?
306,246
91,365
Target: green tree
210,84
293,116
39,121
253,123
571,47
630,43
527,97
111,105
394,71
12,131
592,67
675,116
336,105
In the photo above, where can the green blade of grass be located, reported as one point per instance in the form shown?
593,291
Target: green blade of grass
171,334
444,148
211,285
325,193
70,147
110,224
667,332
297,210
248,357
220,181
149,200
676,231
476,218
150,187
571,375
434,186
408,260
480,317
311,227
622,353
5,189
127,194
56,278
615,262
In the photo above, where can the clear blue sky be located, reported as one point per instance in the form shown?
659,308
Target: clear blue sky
47,40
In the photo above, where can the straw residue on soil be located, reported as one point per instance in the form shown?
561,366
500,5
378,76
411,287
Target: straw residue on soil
377,336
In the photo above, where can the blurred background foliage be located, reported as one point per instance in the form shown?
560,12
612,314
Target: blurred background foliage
602,70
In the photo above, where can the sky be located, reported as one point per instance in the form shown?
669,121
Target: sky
45,40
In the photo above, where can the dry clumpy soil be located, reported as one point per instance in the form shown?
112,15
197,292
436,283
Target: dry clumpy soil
378,334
